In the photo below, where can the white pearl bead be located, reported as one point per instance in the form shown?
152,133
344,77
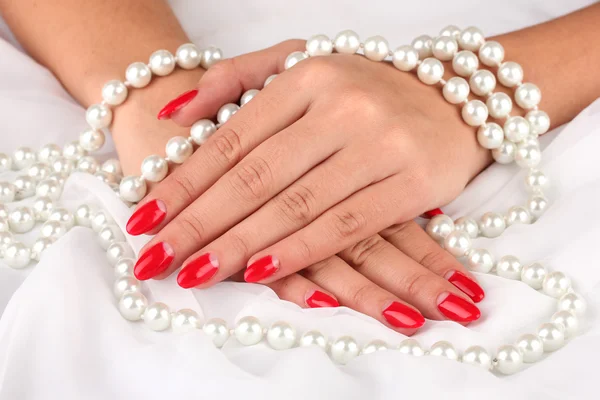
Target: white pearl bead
4,227
294,58
110,234
216,329
21,220
537,205
533,275
6,239
98,116
375,346
88,165
567,320
48,153
39,246
25,186
154,168
126,284
210,56
39,171
405,58
444,349
376,48
178,149
5,162
531,346
556,284
422,44
499,104
430,71
162,62
319,45
344,349
456,90
505,154
347,42
457,243
17,255
509,267
450,30
468,225
133,305
63,216
247,96
510,74
508,360
100,219
439,227
138,75
23,158
518,215
528,156
474,113
133,188
185,320
112,166
411,347
492,225
157,317
491,53
528,96
3,211
188,56
226,112
269,79
124,267
114,92
490,136
444,48
8,192
465,63
281,336
92,140
202,130
52,229
83,215
480,260
539,121
572,302
471,39
117,251
477,356
482,82
248,331
314,338
552,336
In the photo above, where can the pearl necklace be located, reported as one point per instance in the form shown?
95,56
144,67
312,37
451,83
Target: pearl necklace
517,140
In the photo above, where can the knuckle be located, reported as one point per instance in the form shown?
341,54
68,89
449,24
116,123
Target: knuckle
190,225
183,186
319,270
366,249
252,179
238,245
348,224
362,294
432,258
415,284
296,204
226,147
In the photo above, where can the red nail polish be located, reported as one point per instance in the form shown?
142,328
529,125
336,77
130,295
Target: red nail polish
458,309
261,269
319,299
402,316
466,285
154,261
198,271
147,217
177,104
433,213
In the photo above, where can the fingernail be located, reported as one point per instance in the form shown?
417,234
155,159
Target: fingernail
146,217
433,213
177,104
261,269
154,261
319,299
198,271
466,285
457,309
402,316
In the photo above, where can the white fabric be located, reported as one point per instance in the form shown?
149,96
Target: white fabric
62,338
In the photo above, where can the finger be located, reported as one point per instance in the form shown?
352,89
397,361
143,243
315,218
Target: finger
355,291
299,290
413,241
226,81
391,269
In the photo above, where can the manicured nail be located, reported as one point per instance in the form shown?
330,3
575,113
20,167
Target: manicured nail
177,104
457,309
432,213
402,316
198,271
146,217
154,261
466,285
319,299
261,269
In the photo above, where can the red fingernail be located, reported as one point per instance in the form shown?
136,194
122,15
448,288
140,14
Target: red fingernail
177,104
458,309
402,316
261,269
154,261
319,299
198,271
432,213
146,217
467,285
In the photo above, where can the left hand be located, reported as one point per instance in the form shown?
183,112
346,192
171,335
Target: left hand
333,151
